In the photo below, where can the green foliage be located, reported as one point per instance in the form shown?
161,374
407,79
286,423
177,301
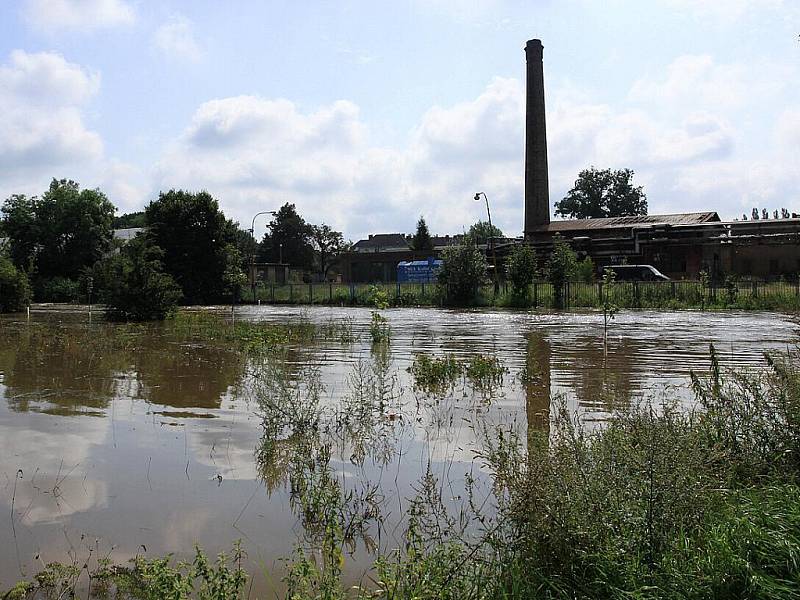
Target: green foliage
603,193
15,292
584,270
463,271
422,238
379,329
561,267
481,232
609,308
58,289
562,264
438,374
288,239
484,371
136,286
61,233
328,244
521,269
731,289
198,244
435,374
130,220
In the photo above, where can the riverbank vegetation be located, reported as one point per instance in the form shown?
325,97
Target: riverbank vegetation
660,500
540,294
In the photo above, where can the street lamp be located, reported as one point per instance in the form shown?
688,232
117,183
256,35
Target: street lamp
477,198
253,253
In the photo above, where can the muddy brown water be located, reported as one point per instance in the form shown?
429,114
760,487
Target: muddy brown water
148,445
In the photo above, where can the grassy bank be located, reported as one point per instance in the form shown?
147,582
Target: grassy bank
655,295
659,502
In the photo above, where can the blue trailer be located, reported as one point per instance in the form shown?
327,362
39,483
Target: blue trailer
418,271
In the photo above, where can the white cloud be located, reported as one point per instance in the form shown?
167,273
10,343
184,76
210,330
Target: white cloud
41,124
176,41
696,80
77,15
255,154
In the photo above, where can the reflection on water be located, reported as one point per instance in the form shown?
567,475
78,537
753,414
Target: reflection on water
133,438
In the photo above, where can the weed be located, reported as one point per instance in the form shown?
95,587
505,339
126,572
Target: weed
435,374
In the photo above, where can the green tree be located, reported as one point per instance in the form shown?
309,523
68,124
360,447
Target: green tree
603,193
482,232
137,288
328,244
246,245
19,225
462,272
199,244
422,241
288,240
561,267
521,270
15,292
60,234
128,220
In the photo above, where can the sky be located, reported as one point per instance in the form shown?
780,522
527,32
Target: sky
368,115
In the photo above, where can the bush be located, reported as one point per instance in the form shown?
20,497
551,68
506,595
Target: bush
561,267
138,289
463,271
585,270
58,289
521,270
15,292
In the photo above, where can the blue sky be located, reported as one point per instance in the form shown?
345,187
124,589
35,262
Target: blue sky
370,114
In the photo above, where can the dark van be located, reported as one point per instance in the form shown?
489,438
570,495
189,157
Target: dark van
637,273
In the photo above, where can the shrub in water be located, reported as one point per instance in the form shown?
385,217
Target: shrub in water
138,288
463,272
15,293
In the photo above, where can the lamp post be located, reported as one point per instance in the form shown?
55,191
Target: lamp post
477,198
253,254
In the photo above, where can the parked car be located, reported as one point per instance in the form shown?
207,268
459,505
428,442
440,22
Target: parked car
638,273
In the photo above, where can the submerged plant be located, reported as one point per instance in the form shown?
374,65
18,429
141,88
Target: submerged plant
609,308
435,374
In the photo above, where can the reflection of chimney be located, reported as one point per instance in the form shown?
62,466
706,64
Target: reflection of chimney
537,196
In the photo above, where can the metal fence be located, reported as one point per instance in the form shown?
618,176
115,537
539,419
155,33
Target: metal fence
631,294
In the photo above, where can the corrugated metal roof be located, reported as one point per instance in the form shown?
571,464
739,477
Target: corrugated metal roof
634,221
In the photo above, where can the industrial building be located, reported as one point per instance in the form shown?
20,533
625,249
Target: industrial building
678,245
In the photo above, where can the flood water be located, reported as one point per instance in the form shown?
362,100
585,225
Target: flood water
124,440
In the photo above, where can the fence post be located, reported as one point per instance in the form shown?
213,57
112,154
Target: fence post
755,289
600,292
535,294
636,293
311,293
330,292
423,289
272,292
397,292
291,293
352,292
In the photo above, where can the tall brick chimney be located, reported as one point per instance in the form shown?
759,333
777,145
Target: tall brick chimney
537,195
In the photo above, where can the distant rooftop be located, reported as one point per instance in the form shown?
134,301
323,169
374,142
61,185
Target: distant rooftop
382,242
633,221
